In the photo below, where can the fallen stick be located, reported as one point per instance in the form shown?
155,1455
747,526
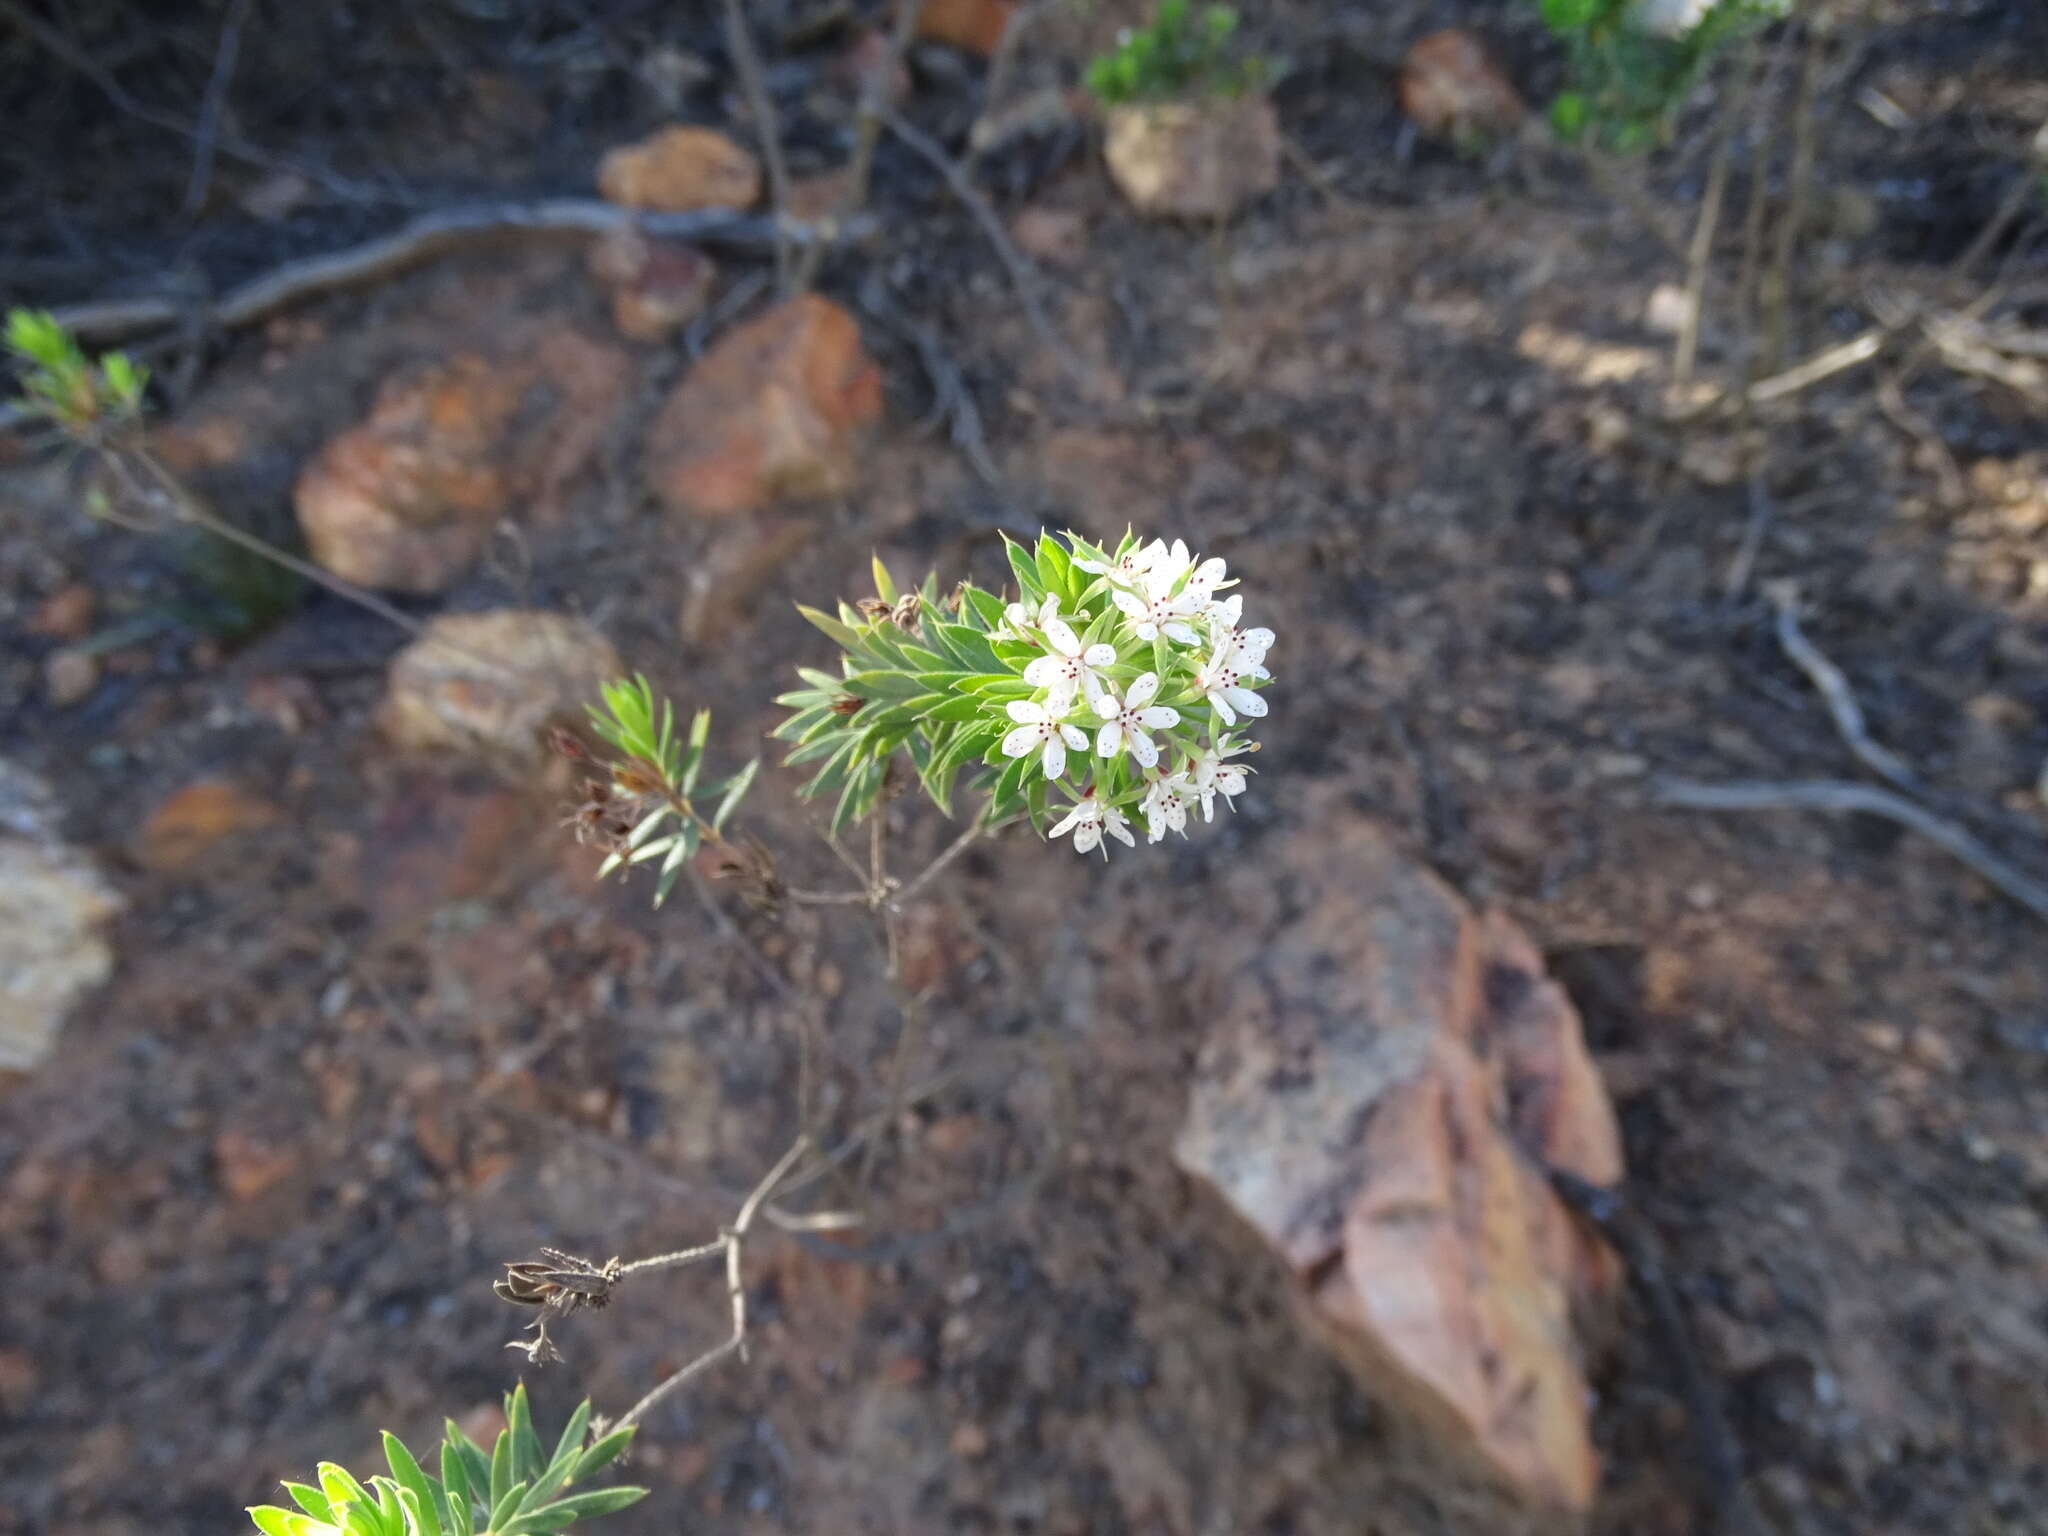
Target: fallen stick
1838,795
1835,691
431,235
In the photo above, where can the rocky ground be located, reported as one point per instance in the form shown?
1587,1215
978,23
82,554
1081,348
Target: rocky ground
358,1025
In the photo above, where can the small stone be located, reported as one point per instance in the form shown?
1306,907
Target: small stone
1058,236
774,412
434,841
53,907
185,828
1193,159
66,614
406,501
679,169
1669,310
819,196
489,684
1452,89
70,676
657,286
249,1166
969,1442
973,26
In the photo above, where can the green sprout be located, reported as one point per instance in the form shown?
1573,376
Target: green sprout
513,1490
1629,80
1184,52
58,381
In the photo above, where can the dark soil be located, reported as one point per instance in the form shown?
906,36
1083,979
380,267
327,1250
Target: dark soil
1418,410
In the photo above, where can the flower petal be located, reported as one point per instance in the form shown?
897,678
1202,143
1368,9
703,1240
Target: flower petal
1021,740
1246,702
1134,606
1106,740
1175,630
1160,716
1043,671
1142,748
1140,692
1260,640
1076,737
1107,706
1100,654
1065,824
1087,836
1120,829
1055,760
1061,636
1221,705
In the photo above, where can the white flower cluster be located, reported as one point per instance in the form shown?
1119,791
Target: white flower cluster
1147,665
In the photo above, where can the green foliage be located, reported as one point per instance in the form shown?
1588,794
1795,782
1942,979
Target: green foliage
1629,80
929,683
58,381
516,1489
1183,53
661,780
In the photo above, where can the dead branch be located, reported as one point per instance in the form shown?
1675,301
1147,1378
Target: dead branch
207,133
430,235
767,127
1835,692
1823,365
1023,276
560,1284
1835,795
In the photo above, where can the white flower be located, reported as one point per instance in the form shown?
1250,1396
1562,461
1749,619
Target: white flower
1069,669
1249,646
1155,608
1219,681
1127,567
1088,820
1213,776
1165,805
1042,725
1125,720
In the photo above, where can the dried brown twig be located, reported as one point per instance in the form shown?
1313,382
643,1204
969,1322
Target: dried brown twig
560,1284
1835,691
1837,795
767,127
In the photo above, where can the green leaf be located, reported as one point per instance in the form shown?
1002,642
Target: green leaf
455,1481
1568,114
974,651
501,1470
885,588
984,606
563,1463
735,791
606,1450
844,634
693,758
578,1506
1054,567
273,1521
311,1500
341,1487
503,1509
883,685
1564,16
1025,570
407,1471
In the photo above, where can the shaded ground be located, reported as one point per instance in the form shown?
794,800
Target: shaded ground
270,1172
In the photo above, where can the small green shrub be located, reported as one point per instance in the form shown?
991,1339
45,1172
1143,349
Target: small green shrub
515,1489
1184,52
1629,78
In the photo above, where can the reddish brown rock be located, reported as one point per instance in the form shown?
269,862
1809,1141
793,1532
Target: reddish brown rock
249,1166
1451,88
679,169
187,826
66,614
657,286
437,840
407,500
70,675
488,685
775,412
1193,159
1380,1052
974,26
